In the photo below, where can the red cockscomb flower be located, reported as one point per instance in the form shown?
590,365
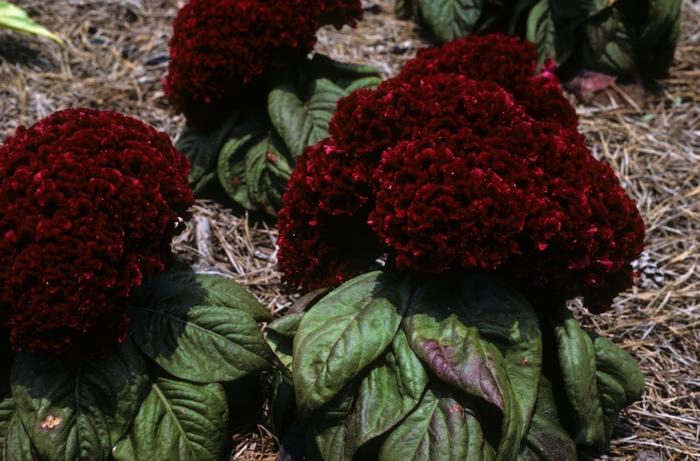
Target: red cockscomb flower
90,203
220,47
445,168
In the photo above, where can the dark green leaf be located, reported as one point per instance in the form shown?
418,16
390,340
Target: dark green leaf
483,338
222,291
7,412
78,411
200,343
541,31
366,82
279,336
441,428
546,440
181,421
577,359
182,286
254,167
124,450
620,382
329,426
300,121
344,333
331,439
506,319
519,9
202,149
14,440
617,363
342,74
608,46
391,390
450,19
578,9
659,36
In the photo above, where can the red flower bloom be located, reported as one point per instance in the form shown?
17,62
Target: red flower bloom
220,47
90,203
504,60
441,171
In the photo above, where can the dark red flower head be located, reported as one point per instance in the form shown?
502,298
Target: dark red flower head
90,202
450,166
221,47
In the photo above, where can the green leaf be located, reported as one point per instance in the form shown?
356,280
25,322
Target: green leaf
124,450
577,359
392,389
342,74
203,336
658,36
279,336
546,439
14,440
222,291
506,319
7,412
441,428
181,421
620,382
541,31
183,286
520,8
13,17
202,149
483,338
578,9
78,410
329,426
254,167
300,121
365,82
450,19
331,440
608,46
343,334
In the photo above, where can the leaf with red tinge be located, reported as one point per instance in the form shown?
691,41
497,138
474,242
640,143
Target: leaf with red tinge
442,428
474,338
587,84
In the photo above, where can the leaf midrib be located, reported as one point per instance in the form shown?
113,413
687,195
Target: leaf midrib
169,409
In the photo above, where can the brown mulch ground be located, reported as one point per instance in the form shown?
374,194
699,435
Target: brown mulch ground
116,56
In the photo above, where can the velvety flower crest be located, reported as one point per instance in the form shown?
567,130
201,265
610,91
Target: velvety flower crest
221,47
90,202
471,163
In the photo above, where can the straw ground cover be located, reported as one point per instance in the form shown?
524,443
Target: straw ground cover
116,56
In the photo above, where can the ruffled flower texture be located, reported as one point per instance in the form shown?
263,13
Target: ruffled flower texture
221,47
90,203
466,160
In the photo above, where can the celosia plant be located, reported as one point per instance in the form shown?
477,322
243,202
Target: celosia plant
113,352
466,179
240,72
90,201
628,38
453,165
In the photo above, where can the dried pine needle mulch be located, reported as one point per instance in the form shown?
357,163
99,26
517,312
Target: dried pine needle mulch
117,55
